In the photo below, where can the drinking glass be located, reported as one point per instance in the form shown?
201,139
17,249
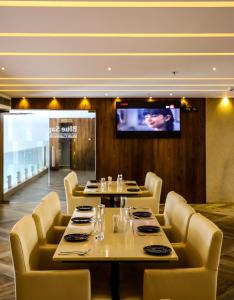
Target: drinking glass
101,210
103,183
123,201
116,219
99,232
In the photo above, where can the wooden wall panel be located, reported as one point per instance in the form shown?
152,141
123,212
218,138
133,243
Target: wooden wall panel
179,161
82,147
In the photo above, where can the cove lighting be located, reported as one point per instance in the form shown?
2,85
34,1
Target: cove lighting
118,35
110,85
119,78
119,90
116,54
164,4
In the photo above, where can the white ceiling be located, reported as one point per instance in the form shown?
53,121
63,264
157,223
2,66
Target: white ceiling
74,69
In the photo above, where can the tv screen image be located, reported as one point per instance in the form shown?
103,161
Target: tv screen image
148,119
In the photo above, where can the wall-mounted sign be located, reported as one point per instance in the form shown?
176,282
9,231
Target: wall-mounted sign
63,132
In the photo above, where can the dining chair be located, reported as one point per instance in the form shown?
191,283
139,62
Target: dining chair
196,275
54,206
145,188
73,201
35,277
193,276
152,201
171,200
49,220
77,189
178,222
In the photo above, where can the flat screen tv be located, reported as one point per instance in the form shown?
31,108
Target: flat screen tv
159,119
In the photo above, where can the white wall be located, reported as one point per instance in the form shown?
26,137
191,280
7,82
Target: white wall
219,150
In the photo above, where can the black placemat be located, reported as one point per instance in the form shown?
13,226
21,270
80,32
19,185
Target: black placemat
76,237
142,214
81,220
92,186
131,184
133,190
159,250
148,229
84,208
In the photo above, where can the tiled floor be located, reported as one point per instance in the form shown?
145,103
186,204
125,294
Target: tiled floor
23,203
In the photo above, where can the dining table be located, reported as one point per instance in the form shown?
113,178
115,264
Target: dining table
112,189
113,237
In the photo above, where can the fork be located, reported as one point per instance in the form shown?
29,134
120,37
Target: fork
74,252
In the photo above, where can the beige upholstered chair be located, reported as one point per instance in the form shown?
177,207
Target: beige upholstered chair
153,201
144,188
34,277
73,201
77,189
196,275
171,200
193,277
179,222
49,220
52,201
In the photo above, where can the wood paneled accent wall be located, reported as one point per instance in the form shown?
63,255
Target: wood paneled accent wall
82,148
179,161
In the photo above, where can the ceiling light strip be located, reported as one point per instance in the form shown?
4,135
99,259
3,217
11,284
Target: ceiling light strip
119,90
106,54
117,78
121,4
118,35
110,85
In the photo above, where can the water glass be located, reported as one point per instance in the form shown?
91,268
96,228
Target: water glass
103,183
123,201
101,210
99,232
116,219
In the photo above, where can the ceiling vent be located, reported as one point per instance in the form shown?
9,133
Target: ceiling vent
5,103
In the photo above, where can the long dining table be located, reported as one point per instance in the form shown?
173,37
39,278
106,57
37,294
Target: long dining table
112,189
118,241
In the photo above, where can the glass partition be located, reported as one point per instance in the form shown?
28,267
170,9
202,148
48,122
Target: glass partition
37,141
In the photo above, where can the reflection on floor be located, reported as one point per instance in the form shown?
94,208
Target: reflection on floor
47,183
221,214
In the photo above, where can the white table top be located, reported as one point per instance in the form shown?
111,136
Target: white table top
125,245
112,188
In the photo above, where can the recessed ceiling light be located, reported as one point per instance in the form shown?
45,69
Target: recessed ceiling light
109,69
214,69
3,68
171,94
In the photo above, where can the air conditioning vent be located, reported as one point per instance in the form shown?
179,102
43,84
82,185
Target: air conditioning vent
5,103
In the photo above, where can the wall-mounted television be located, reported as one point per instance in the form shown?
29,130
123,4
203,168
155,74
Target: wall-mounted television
148,119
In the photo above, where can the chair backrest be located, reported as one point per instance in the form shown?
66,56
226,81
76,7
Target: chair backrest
74,179
44,218
179,221
204,243
24,245
147,179
52,201
68,192
155,186
171,200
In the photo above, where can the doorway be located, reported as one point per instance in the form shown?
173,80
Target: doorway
44,142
